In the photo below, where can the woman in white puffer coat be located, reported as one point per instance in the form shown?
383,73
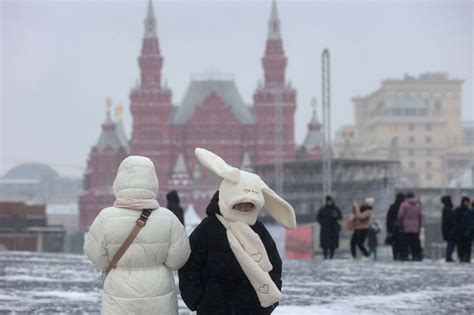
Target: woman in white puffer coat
142,282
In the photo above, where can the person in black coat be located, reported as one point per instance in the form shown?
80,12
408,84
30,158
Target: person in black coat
463,241
393,230
328,217
448,227
173,205
212,281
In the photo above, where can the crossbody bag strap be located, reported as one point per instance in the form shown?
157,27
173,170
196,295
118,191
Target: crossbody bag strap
139,224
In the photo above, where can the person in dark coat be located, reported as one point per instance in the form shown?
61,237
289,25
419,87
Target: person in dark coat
393,230
448,227
328,217
173,204
469,218
464,242
212,281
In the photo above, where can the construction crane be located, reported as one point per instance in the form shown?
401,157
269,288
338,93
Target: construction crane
326,109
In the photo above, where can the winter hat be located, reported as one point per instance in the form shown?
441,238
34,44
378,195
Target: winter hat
369,201
172,196
446,200
400,196
464,199
240,186
329,198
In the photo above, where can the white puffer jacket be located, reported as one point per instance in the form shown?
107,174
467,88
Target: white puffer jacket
142,283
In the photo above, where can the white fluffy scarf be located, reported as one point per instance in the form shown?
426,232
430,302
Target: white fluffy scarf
253,258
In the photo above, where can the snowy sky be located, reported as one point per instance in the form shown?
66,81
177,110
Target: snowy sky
61,59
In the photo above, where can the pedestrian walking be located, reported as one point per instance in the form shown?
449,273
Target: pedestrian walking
137,243
173,204
448,226
393,229
328,217
409,217
374,229
464,242
234,267
360,221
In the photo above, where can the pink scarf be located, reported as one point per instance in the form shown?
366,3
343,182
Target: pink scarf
136,204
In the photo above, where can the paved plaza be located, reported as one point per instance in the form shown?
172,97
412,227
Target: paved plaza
39,283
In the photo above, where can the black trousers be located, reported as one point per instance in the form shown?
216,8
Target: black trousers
396,246
464,249
411,246
328,252
358,239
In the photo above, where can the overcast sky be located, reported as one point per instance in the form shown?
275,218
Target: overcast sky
60,60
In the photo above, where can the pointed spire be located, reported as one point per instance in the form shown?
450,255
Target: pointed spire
109,139
314,138
108,118
314,124
274,23
180,166
119,112
150,14
119,127
150,21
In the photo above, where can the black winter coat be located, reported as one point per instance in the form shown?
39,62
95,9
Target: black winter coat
459,216
328,217
392,214
448,225
212,281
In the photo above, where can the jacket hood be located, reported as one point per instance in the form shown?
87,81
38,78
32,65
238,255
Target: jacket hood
136,179
400,197
446,200
463,200
172,196
412,201
213,206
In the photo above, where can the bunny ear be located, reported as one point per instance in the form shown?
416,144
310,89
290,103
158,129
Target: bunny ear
279,209
216,164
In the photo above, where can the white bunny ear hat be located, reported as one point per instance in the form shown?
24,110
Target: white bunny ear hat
241,186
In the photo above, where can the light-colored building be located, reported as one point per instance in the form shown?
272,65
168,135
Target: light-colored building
417,120
346,144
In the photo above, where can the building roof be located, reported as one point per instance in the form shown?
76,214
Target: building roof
198,90
32,171
180,166
314,137
109,137
121,134
62,209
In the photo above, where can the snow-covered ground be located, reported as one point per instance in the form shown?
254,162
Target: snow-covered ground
39,283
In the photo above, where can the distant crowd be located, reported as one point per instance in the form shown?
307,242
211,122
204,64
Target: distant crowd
403,225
